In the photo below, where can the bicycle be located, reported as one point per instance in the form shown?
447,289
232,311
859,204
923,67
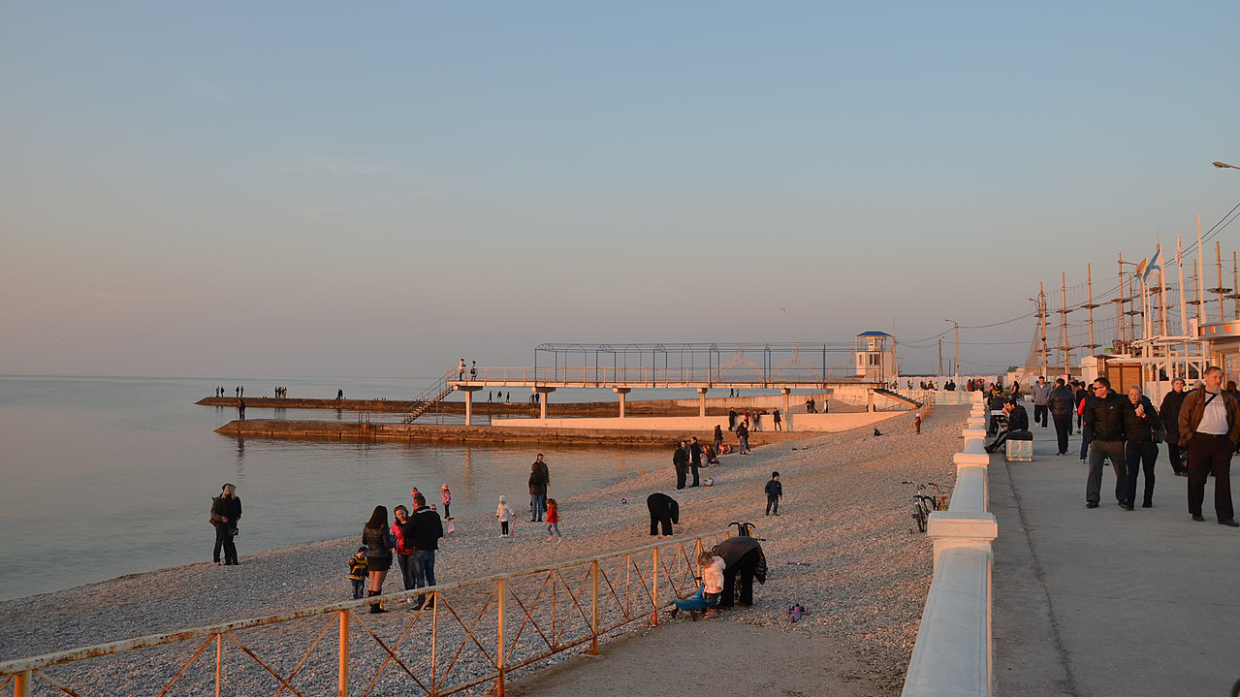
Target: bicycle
923,504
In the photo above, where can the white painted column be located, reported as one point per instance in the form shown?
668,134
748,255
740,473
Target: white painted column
622,391
702,402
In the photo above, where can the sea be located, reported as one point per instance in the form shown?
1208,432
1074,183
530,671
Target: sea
108,476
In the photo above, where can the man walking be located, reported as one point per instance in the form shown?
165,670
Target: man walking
1041,394
1170,411
426,530
1060,405
1104,426
680,460
1140,452
695,459
1210,427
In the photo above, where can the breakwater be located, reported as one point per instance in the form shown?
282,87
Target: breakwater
489,435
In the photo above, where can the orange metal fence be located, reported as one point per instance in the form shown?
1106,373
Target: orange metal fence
473,636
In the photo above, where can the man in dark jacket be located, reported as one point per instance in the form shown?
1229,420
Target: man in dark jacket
225,511
1210,430
1060,403
680,460
1017,425
664,512
1104,426
1140,450
1170,411
423,535
695,459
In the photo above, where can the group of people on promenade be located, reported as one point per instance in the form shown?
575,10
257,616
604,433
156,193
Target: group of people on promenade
1200,427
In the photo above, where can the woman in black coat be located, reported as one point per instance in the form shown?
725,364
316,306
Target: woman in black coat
375,537
538,492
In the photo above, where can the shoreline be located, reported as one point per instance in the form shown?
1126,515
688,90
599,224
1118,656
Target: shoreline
845,513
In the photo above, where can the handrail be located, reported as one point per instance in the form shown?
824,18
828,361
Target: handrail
673,573
602,376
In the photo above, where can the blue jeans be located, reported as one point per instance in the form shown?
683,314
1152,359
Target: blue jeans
700,600
537,506
423,569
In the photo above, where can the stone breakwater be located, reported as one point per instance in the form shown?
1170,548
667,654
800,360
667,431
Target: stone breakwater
845,513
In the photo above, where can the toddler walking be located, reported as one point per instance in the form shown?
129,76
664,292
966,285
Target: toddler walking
503,513
358,572
553,520
774,490
447,501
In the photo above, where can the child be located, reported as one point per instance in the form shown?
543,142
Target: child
447,501
503,513
710,591
774,490
553,520
358,572
711,458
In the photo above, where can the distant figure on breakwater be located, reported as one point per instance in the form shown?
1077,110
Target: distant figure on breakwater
664,513
489,393
460,370
339,394
779,424
225,512
241,409
473,371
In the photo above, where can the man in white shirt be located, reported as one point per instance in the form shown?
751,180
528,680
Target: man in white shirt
1210,427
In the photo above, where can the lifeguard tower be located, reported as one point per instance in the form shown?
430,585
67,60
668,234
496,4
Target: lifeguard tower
876,357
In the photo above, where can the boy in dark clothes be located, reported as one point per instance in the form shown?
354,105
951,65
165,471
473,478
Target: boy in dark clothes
774,490
357,572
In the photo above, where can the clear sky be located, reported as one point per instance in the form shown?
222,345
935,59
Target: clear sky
376,190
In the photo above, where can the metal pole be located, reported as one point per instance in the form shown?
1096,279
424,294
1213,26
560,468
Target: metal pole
1235,284
434,632
1089,281
342,683
1063,313
1218,261
1179,262
654,585
594,610
1042,321
21,684
499,686
940,355
957,368
219,655
1119,307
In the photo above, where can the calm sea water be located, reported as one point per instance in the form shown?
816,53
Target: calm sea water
109,476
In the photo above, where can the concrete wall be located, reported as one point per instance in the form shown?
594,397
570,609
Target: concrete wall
800,423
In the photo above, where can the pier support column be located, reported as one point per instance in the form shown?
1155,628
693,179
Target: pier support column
622,391
869,401
469,402
702,401
543,392
787,415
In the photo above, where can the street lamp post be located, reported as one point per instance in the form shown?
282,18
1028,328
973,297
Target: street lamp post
1224,165
956,370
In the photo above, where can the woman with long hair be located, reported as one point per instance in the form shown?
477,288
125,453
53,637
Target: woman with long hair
378,553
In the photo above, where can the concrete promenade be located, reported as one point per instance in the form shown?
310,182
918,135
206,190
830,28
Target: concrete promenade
1105,601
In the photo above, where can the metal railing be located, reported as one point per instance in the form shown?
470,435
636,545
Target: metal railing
470,634
604,376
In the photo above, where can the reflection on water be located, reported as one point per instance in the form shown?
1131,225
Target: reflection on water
115,475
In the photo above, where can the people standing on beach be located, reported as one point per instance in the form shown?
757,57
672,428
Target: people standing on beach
425,530
357,572
546,472
664,512
460,370
680,461
504,514
731,419
378,543
225,512
1170,411
1210,430
695,459
779,424
404,550
446,499
809,403
553,520
538,493
774,490
718,437
742,434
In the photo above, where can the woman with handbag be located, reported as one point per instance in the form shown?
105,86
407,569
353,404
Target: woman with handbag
376,538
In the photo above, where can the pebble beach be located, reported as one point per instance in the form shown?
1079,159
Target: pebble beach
862,573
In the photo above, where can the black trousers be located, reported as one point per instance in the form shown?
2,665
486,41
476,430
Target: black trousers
1176,454
1039,414
680,477
224,538
694,467
1063,427
744,569
1210,454
1140,455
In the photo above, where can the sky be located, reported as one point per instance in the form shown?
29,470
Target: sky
301,189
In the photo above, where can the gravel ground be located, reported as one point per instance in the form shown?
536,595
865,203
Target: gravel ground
846,512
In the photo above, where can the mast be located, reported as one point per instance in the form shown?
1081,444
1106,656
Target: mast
1089,281
1119,304
1179,262
1063,313
1042,321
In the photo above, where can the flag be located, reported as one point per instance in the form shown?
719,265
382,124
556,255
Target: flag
1141,268
1155,263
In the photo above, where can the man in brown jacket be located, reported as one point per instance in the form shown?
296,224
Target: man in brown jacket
1210,427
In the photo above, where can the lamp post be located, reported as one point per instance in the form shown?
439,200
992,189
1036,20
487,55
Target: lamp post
956,369
1224,165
